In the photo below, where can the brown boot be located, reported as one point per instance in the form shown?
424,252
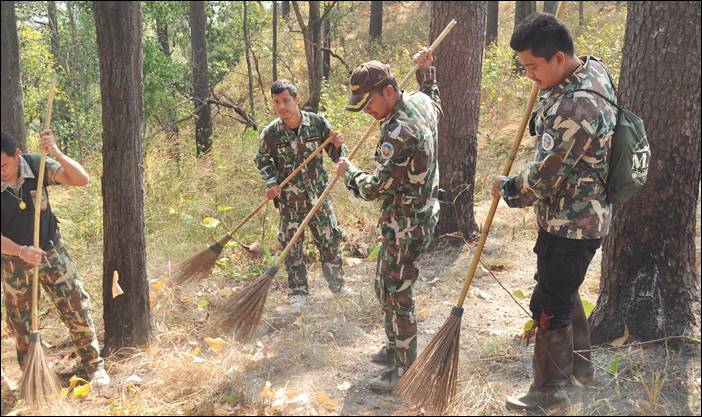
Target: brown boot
583,370
553,364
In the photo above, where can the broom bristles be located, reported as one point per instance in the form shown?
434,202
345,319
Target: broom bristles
198,266
431,380
243,312
39,384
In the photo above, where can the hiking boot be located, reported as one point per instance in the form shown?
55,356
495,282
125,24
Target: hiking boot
583,370
553,364
386,381
385,356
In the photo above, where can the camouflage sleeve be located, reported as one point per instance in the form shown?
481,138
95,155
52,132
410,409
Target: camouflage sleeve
324,131
396,149
561,146
264,162
426,78
52,167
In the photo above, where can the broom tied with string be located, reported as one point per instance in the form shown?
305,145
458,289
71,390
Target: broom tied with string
431,380
199,266
39,385
243,312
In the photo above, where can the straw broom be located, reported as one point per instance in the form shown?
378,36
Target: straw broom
200,265
431,380
39,384
243,312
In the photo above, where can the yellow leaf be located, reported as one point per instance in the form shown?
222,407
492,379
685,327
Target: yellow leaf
529,325
196,351
159,283
81,391
267,394
64,392
225,292
116,289
215,344
621,340
326,401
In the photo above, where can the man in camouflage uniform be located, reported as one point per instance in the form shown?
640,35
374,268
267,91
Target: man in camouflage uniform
406,179
566,184
56,271
283,145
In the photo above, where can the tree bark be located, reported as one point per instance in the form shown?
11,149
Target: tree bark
285,9
54,31
375,30
201,91
119,36
326,50
458,75
247,42
551,7
275,41
12,102
493,8
649,279
523,9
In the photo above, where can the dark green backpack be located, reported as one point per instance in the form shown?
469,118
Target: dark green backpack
630,155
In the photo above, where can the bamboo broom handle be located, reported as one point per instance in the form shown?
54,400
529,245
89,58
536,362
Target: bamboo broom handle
320,201
505,171
37,208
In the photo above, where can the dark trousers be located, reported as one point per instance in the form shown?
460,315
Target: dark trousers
561,267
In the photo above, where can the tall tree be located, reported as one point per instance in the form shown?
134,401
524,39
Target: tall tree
375,30
493,8
54,31
649,280
12,103
312,34
581,12
275,41
551,7
285,9
522,9
458,70
119,36
247,43
326,50
203,127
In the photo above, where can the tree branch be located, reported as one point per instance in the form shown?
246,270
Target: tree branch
327,9
348,68
300,20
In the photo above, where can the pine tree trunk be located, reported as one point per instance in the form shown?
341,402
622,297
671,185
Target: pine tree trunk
375,30
458,65
247,42
119,36
649,279
493,8
581,12
523,9
312,33
326,55
275,41
12,103
285,9
551,7
201,91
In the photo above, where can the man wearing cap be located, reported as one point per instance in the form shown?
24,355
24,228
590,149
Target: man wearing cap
406,179
283,145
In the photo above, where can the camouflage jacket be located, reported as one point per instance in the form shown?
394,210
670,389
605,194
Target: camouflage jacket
279,154
566,181
406,175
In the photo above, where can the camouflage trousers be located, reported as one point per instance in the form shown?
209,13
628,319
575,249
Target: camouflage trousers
396,272
327,237
59,279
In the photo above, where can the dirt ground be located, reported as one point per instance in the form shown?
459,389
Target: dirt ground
317,362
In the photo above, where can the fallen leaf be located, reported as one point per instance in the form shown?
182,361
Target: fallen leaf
618,342
215,344
326,400
225,292
196,351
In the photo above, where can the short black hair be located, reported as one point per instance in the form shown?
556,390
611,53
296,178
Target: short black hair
544,35
282,85
9,144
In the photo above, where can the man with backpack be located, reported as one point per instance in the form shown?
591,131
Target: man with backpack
566,183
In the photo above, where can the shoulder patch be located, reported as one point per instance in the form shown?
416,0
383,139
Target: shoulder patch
387,150
547,142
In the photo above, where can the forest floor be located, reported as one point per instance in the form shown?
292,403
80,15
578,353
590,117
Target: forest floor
316,362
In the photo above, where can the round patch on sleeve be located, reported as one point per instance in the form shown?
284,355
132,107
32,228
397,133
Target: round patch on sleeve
386,150
547,142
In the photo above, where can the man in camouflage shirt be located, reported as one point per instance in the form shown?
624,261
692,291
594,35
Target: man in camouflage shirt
406,179
57,273
283,145
566,184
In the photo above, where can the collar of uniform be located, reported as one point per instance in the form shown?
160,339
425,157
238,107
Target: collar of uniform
573,79
398,105
305,120
24,172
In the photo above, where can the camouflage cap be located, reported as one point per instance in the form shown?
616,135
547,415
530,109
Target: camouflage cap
364,80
